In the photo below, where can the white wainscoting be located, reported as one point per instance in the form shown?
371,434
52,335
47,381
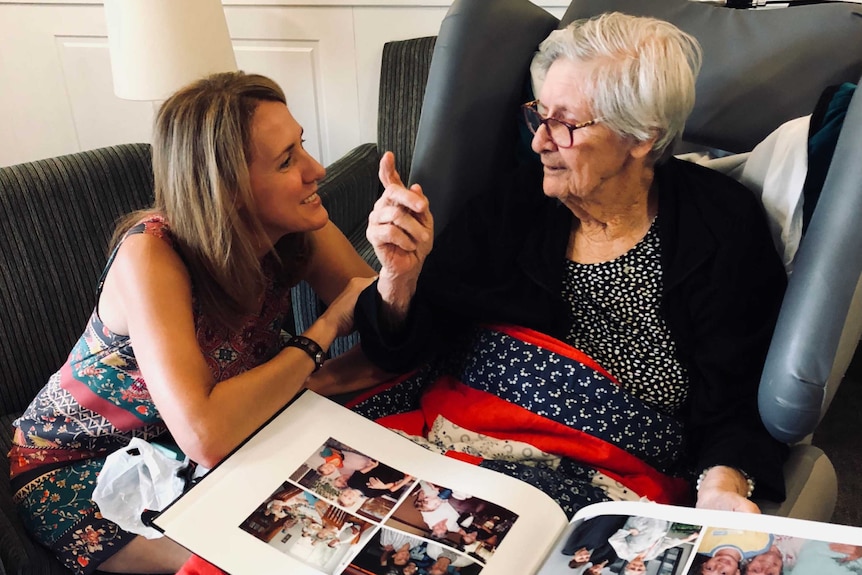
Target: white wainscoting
56,94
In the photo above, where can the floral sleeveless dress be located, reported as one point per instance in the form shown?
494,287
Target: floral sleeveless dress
96,403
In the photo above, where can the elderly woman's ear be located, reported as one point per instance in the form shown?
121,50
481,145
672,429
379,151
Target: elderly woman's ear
642,149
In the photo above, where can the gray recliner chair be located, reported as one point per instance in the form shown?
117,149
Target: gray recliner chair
761,69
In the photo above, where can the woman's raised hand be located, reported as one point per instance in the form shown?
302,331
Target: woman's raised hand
401,230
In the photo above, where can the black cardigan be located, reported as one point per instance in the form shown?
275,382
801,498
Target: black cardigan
501,261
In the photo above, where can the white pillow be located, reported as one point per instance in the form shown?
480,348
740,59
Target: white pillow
775,171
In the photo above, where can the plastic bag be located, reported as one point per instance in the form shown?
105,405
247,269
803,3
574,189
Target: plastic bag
141,476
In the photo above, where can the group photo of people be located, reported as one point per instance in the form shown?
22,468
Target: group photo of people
307,528
418,527
352,480
626,545
454,519
391,552
633,545
741,552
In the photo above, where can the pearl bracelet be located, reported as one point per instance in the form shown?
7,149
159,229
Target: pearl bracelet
748,479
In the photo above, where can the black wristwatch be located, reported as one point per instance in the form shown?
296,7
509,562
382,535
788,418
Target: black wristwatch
309,346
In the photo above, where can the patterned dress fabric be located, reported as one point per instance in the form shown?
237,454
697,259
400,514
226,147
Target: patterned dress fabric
616,319
96,403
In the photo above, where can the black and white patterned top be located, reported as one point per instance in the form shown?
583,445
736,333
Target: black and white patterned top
615,318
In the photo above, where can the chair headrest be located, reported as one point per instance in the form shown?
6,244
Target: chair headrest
761,68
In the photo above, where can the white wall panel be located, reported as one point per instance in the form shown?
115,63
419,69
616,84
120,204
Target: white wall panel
56,94
292,65
99,118
310,52
36,118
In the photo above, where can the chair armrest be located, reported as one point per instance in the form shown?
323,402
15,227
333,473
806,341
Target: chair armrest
818,311
812,486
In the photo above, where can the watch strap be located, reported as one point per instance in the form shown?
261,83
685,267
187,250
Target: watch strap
309,346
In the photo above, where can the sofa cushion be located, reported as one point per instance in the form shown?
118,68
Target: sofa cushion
403,76
56,216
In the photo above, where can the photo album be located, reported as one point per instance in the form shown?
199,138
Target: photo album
322,490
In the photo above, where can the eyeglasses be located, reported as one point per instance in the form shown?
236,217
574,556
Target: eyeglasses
560,132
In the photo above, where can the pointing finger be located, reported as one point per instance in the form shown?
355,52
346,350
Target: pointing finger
387,172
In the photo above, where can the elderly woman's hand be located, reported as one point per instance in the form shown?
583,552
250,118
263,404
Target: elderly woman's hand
401,230
725,488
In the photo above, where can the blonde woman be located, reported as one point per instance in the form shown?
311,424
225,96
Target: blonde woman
184,340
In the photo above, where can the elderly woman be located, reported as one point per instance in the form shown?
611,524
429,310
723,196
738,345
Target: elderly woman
651,283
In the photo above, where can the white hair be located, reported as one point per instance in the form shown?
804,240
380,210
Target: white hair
645,88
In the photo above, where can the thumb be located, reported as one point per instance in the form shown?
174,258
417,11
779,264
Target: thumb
747,506
387,172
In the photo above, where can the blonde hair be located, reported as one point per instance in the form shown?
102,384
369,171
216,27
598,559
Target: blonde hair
201,151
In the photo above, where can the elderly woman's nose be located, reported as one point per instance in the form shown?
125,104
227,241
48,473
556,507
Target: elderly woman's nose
542,139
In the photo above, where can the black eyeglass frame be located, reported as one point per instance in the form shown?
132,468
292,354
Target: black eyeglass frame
531,114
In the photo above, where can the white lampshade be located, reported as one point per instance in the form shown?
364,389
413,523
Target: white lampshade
159,46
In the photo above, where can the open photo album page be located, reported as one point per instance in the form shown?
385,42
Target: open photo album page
321,490
651,539
343,511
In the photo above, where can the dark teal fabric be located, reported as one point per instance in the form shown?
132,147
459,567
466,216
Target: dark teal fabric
19,554
826,123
